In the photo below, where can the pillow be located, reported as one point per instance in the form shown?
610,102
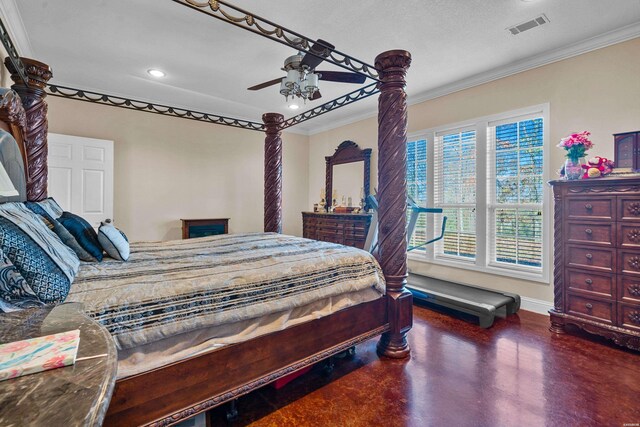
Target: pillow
64,234
34,228
113,241
83,232
15,292
45,277
49,205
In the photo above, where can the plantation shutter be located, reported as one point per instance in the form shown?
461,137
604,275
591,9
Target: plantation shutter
515,191
455,191
417,186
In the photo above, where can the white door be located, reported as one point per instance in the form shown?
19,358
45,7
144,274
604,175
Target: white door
81,176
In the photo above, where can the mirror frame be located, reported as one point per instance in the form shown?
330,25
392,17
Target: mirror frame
348,152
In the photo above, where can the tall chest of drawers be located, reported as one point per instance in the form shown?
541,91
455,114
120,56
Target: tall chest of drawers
347,229
597,258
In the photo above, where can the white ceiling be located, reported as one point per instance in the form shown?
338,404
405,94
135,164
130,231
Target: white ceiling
107,46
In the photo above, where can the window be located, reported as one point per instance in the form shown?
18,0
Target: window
455,191
516,193
488,176
417,186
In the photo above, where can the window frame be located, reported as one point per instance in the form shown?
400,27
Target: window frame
482,262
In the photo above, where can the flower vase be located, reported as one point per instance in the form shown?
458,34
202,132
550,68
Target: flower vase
573,168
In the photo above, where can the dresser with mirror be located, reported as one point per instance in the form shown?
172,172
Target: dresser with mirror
343,217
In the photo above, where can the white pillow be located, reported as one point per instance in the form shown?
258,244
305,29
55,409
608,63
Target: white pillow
113,241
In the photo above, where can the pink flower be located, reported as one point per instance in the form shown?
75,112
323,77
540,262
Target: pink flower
54,362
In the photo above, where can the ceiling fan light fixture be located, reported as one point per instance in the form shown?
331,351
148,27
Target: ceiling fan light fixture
154,72
293,103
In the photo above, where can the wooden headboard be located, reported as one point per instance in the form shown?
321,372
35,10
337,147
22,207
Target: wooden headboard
13,154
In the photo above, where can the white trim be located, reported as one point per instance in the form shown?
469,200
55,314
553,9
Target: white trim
535,305
470,265
10,15
616,36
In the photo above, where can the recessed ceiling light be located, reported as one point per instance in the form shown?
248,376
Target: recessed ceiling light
293,104
154,72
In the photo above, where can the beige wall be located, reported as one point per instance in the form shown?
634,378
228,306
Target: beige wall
169,168
598,91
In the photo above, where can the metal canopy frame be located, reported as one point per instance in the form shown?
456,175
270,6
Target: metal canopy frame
247,21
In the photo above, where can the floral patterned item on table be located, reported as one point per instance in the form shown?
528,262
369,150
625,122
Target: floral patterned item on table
38,354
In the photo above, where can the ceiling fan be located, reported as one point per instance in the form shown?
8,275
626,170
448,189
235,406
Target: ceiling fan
302,78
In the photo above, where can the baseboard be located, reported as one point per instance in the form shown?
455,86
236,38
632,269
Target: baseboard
535,305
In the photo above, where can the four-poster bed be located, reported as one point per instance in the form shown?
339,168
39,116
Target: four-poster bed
170,393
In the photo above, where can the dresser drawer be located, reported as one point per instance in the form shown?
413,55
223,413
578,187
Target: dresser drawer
591,233
590,258
629,289
628,235
602,311
629,262
629,208
591,283
629,316
598,208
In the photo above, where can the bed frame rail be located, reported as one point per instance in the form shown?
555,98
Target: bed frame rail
191,386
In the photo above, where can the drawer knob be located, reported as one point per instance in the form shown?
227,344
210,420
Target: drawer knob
634,290
588,206
634,208
634,317
633,235
588,282
589,256
588,231
589,306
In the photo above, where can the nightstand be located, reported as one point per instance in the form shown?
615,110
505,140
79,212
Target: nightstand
76,395
204,227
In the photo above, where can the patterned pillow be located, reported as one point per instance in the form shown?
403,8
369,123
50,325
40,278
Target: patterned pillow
15,292
113,241
32,225
44,276
83,233
64,234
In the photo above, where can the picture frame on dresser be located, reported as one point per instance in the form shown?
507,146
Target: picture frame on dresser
597,258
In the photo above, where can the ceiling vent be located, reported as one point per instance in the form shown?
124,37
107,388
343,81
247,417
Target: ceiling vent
535,22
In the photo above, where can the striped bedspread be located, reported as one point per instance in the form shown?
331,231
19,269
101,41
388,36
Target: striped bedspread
168,288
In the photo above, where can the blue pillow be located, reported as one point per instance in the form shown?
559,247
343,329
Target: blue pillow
15,292
83,232
64,234
113,241
45,277
32,225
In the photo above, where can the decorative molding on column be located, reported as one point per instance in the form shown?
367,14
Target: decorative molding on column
392,198
273,172
32,94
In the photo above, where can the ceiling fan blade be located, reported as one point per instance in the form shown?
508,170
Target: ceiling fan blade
316,95
341,76
320,51
265,84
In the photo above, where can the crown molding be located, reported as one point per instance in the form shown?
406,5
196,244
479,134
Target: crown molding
13,21
594,43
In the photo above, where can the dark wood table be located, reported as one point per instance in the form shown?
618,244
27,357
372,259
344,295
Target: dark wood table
76,395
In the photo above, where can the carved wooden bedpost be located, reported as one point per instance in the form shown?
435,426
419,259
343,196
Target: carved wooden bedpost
273,172
392,198
37,126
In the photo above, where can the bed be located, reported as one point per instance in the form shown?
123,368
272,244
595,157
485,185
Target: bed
372,301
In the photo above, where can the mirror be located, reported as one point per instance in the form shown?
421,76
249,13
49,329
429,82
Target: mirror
347,177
